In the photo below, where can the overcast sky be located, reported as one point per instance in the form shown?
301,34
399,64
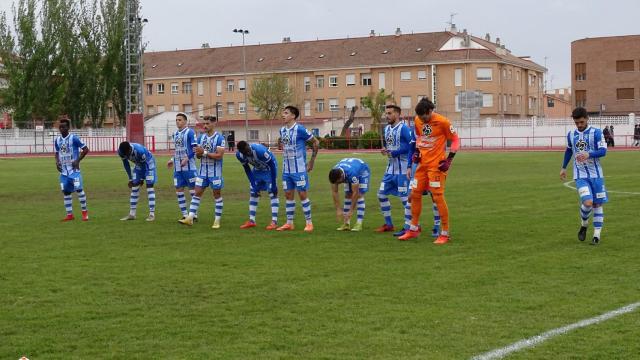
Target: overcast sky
538,28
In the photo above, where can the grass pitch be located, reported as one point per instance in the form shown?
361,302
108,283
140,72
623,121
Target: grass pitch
514,269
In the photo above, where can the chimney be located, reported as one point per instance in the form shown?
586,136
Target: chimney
497,41
487,37
464,32
453,29
398,32
372,33
286,39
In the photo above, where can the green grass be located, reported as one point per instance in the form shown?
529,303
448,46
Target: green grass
514,269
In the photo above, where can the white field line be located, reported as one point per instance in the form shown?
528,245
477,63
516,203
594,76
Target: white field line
533,341
568,184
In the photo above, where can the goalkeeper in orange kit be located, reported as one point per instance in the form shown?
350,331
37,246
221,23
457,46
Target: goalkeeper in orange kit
432,131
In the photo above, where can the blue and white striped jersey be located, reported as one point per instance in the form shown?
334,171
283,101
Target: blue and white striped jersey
262,159
140,156
397,139
589,140
355,170
211,167
184,141
68,150
294,148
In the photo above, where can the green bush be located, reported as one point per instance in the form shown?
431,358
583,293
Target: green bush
370,140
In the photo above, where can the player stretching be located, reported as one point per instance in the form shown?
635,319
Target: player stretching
68,157
432,131
355,174
261,178
144,171
210,150
183,162
295,167
588,145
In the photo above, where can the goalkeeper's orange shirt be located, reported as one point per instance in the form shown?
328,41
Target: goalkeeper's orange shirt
431,139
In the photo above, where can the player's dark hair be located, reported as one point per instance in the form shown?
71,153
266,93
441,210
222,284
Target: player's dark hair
66,121
335,175
395,108
424,106
579,112
294,110
242,146
124,148
211,118
183,115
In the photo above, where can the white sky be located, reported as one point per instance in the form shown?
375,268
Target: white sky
538,28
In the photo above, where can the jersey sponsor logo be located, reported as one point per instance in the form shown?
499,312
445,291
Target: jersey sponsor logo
149,177
413,184
216,182
302,182
582,145
199,181
179,141
434,184
426,130
364,186
354,179
64,147
584,191
601,195
286,138
390,139
402,189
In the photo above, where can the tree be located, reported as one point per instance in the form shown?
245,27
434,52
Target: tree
270,95
114,65
375,103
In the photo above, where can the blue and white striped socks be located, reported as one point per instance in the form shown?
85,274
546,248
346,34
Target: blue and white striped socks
585,212
82,197
407,211
275,206
219,206
133,200
151,196
253,207
195,205
291,209
182,202
385,207
306,209
68,204
598,220
361,207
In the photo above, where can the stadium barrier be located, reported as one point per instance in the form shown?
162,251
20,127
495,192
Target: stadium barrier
96,144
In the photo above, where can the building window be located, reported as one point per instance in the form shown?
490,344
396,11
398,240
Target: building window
366,79
307,84
319,81
307,108
219,110
254,135
487,100
484,74
174,88
186,87
200,88
518,99
319,105
456,103
351,79
422,75
201,111
625,65
187,108
504,102
242,108
550,102
509,74
229,85
350,103
333,105
160,109
504,73
581,71
625,94
160,88
405,75
405,102
333,81
218,87
231,108
381,81
150,110
149,89
242,85
510,99
581,98
518,75
457,77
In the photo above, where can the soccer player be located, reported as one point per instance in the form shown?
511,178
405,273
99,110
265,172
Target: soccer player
295,167
183,161
432,131
588,145
355,174
210,149
70,150
143,171
261,178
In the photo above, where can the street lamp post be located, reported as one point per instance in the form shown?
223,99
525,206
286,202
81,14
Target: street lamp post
246,85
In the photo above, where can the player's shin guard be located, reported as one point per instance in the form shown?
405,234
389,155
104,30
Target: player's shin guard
195,205
82,197
219,206
598,220
275,207
585,212
253,207
151,197
68,204
407,211
306,209
416,209
347,206
182,202
291,209
133,200
440,202
385,208
361,207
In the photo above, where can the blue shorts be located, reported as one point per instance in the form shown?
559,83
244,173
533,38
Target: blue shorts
592,189
216,183
262,180
143,173
71,183
295,181
396,185
363,185
184,179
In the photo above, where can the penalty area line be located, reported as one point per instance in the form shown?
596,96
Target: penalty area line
535,340
568,185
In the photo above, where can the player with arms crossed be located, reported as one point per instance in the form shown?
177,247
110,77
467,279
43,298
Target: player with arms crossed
355,175
432,131
144,171
70,150
210,150
183,161
295,167
588,145
261,178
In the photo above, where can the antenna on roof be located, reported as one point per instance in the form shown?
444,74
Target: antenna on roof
452,26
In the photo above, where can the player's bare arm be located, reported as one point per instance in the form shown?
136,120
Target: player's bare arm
336,201
315,145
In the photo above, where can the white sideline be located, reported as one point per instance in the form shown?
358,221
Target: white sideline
567,184
533,341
